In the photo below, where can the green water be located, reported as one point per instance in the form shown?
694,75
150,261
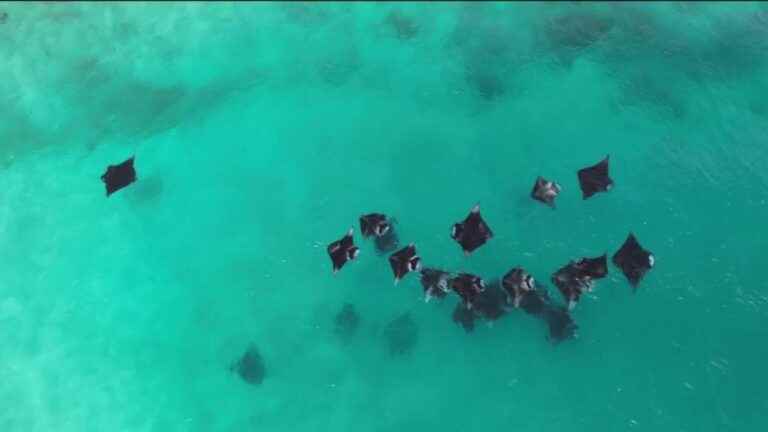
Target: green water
262,131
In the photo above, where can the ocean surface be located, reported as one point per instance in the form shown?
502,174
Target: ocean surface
262,131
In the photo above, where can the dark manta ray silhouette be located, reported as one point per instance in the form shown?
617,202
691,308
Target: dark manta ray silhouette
633,260
404,261
560,323
536,302
472,232
490,302
382,229
545,191
464,317
404,27
343,250
250,366
577,277
119,176
476,301
594,179
401,334
346,322
435,283
517,288
468,287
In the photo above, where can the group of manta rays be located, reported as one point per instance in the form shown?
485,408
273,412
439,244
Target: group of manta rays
517,288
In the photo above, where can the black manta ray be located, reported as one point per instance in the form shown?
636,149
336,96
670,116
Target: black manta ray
343,250
374,224
525,293
435,283
468,287
595,179
387,242
488,302
633,260
382,229
578,277
516,283
545,191
404,261
595,268
570,287
119,176
472,232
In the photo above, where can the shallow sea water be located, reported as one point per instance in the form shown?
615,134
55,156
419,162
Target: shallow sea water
261,133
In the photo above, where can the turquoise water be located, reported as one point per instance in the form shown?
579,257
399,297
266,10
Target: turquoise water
262,131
